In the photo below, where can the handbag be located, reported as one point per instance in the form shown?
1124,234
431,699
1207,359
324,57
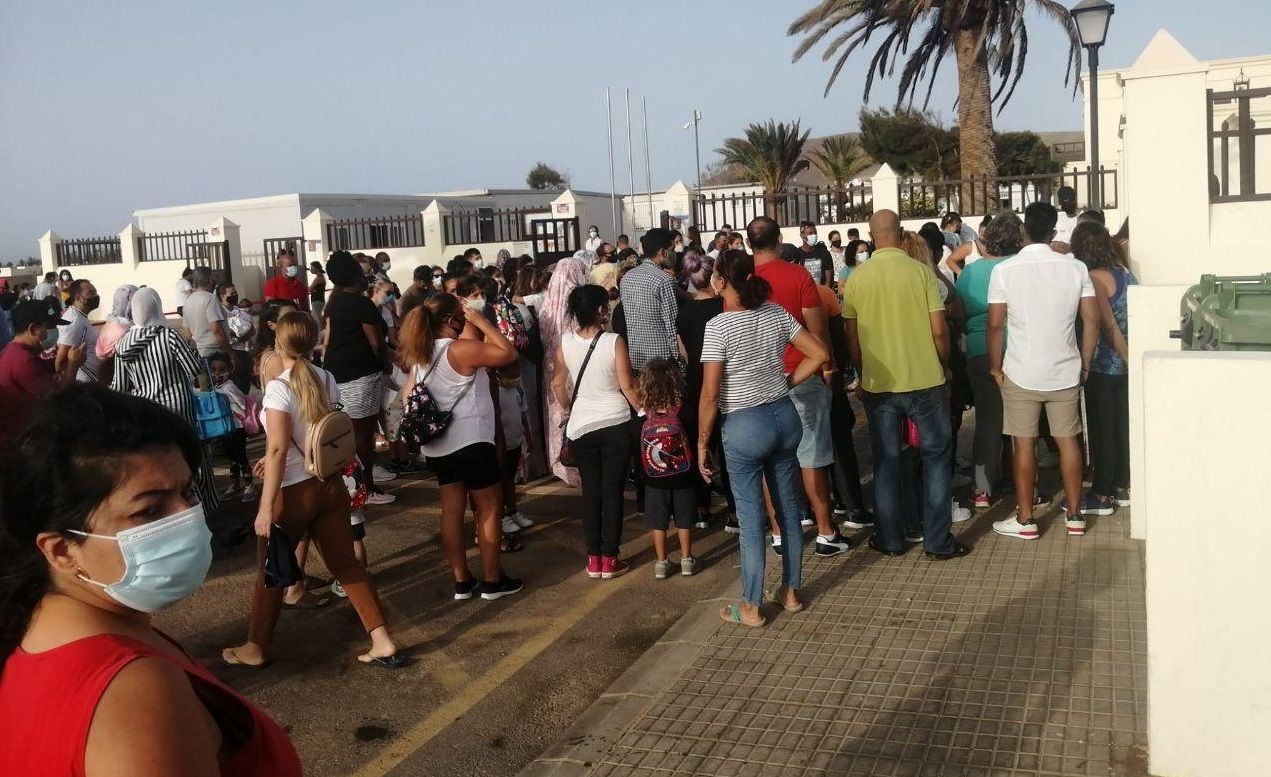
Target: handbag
423,420
281,569
567,456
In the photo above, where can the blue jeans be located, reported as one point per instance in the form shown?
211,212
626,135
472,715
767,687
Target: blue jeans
763,441
929,409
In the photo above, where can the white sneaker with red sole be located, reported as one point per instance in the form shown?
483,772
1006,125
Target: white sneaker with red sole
1011,527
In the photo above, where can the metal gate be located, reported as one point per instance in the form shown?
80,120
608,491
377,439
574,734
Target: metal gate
274,245
554,239
214,256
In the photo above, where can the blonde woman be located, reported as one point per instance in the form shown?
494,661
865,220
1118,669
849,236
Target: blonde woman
300,503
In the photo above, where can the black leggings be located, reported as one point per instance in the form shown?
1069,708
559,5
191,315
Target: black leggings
845,472
1108,417
604,457
234,445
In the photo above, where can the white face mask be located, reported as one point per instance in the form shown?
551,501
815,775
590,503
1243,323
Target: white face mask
861,256
475,304
165,561
385,266
812,239
291,271
593,233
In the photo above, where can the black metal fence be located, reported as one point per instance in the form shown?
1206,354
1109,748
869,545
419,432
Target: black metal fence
171,246
89,250
978,196
1234,145
376,232
826,205
487,225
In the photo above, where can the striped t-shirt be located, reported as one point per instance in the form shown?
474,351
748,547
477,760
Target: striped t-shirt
751,344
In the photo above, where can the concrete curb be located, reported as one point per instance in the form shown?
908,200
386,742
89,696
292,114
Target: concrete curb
592,735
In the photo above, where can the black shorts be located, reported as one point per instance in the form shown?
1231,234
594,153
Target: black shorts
663,504
476,466
359,531
511,461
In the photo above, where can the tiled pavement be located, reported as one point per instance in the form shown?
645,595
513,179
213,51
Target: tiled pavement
1025,658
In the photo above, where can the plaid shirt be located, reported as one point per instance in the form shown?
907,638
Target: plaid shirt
648,301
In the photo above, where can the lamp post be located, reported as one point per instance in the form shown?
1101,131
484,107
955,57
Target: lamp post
1092,18
697,148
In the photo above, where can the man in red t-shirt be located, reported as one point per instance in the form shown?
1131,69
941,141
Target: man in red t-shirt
793,289
286,283
25,376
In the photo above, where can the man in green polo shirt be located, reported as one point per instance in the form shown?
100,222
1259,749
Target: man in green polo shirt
899,341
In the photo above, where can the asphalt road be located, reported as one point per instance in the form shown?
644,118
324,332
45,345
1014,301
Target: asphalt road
490,684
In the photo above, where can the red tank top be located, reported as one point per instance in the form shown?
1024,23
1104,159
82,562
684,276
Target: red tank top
47,702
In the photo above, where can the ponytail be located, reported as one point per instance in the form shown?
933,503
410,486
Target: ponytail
738,269
422,328
296,336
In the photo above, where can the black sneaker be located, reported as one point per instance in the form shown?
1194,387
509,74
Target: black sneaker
859,519
841,509
731,526
872,542
505,587
463,591
405,467
959,550
832,546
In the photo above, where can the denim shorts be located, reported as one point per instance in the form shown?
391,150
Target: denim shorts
811,400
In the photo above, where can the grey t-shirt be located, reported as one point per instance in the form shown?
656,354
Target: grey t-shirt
200,310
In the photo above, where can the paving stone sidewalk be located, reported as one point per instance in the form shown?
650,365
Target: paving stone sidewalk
1025,658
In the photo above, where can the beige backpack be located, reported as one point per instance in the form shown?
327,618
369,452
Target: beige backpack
331,445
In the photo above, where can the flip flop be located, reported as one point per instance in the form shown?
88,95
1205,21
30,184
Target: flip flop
230,658
732,614
394,661
308,601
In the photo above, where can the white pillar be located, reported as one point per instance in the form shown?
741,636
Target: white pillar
314,230
222,229
435,233
884,189
48,251
129,248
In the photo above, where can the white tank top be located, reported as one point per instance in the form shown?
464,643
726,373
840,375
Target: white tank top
473,416
600,402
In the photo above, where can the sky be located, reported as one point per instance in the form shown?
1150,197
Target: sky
106,108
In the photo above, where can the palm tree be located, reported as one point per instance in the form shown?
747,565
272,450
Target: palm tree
839,159
773,155
988,39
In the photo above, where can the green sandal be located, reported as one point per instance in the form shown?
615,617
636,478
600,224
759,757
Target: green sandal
732,614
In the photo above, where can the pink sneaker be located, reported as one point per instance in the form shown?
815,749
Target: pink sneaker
611,567
593,567
981,500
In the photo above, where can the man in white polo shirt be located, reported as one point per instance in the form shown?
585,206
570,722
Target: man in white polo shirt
1034,299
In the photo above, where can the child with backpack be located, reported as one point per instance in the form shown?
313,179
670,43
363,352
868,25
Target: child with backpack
246,411
515,434
352,476
669,474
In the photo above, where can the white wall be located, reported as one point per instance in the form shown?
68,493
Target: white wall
1208,633
160,276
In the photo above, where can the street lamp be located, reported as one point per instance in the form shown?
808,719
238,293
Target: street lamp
1092,18
697,149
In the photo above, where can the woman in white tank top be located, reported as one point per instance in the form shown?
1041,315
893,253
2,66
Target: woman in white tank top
452,364
597,422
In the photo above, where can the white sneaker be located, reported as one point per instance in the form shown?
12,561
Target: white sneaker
1076,525
338,589
375,498
249,494
1011,527
510,526
522,521
960,514
382,475
688,566
231,492
806,522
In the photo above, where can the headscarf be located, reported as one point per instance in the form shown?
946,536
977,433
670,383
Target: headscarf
502,259
121,309
147,308
588,258
605,274
569,274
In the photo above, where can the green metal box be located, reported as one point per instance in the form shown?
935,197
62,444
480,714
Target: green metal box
1227,314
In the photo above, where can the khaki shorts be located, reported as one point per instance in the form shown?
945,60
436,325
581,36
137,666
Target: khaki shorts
1022,409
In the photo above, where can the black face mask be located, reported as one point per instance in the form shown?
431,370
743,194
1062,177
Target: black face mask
232,300
91,303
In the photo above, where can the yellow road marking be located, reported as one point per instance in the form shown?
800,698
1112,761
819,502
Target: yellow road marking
419,735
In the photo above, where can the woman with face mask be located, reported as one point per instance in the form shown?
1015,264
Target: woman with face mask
242,329
464,457
593,239
856,252
102,528
594,385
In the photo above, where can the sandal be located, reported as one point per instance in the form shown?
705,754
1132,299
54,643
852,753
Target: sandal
394,661
308,601
229,657
778,599
732,614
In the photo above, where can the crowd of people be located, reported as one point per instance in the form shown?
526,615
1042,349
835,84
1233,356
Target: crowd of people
678,372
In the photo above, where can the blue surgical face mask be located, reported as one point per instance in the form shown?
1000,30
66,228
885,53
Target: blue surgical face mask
813,240
164,561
